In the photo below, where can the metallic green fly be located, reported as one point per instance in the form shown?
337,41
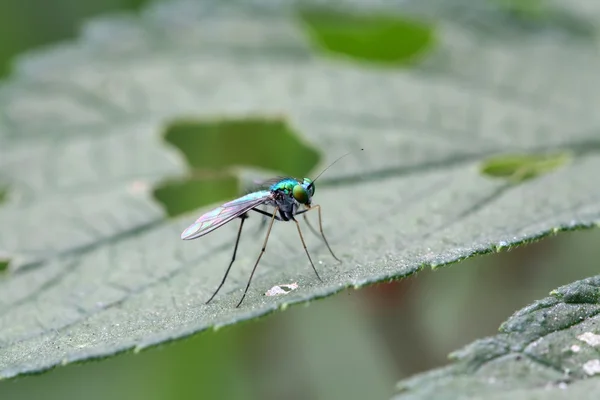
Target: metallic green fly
285,195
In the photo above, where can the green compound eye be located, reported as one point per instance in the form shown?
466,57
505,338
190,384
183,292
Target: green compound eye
300,194
310,186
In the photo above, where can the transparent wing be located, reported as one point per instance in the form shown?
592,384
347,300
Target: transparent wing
225,213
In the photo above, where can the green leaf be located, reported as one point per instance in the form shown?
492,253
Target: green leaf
97,267
546,350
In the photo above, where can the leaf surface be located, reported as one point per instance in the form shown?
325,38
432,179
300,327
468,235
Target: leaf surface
96,267
544,351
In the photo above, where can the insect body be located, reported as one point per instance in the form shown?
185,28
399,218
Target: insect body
286,196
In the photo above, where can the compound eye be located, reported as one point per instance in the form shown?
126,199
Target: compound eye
310,186
300,194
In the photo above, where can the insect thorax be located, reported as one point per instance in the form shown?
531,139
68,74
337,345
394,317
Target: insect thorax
285,202
285,186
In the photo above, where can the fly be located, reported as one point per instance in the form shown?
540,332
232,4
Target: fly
285,195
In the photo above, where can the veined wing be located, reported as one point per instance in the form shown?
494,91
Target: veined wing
225,213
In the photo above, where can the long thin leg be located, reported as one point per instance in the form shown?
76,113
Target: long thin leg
237,241
262,251
310,226
321,230
268,214
263,223
306,250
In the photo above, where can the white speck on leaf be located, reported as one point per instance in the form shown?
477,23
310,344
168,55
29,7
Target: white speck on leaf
137,187
281,289
575,348
590,338
592,367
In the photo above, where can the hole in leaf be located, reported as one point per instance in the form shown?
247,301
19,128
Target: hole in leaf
181,196
525,18
4,263
521,167
3,194
259,142
213,147
526,9
376,38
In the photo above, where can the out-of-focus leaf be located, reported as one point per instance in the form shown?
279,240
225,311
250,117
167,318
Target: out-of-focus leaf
544,351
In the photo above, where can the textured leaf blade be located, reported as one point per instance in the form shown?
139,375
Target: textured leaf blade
546,350
96,266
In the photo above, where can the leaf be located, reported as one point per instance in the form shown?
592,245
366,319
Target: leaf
546,350
96,267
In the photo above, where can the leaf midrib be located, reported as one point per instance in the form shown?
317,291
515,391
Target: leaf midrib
579,149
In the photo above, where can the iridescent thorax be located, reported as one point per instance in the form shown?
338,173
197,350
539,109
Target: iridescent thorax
301,191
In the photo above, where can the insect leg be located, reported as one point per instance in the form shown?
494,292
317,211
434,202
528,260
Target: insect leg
237,241
306,250
268,214
263,223
318,207
262,251
310,226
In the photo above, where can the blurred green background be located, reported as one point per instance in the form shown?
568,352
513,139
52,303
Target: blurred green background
354,345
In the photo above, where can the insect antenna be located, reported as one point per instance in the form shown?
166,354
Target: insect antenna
329,166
